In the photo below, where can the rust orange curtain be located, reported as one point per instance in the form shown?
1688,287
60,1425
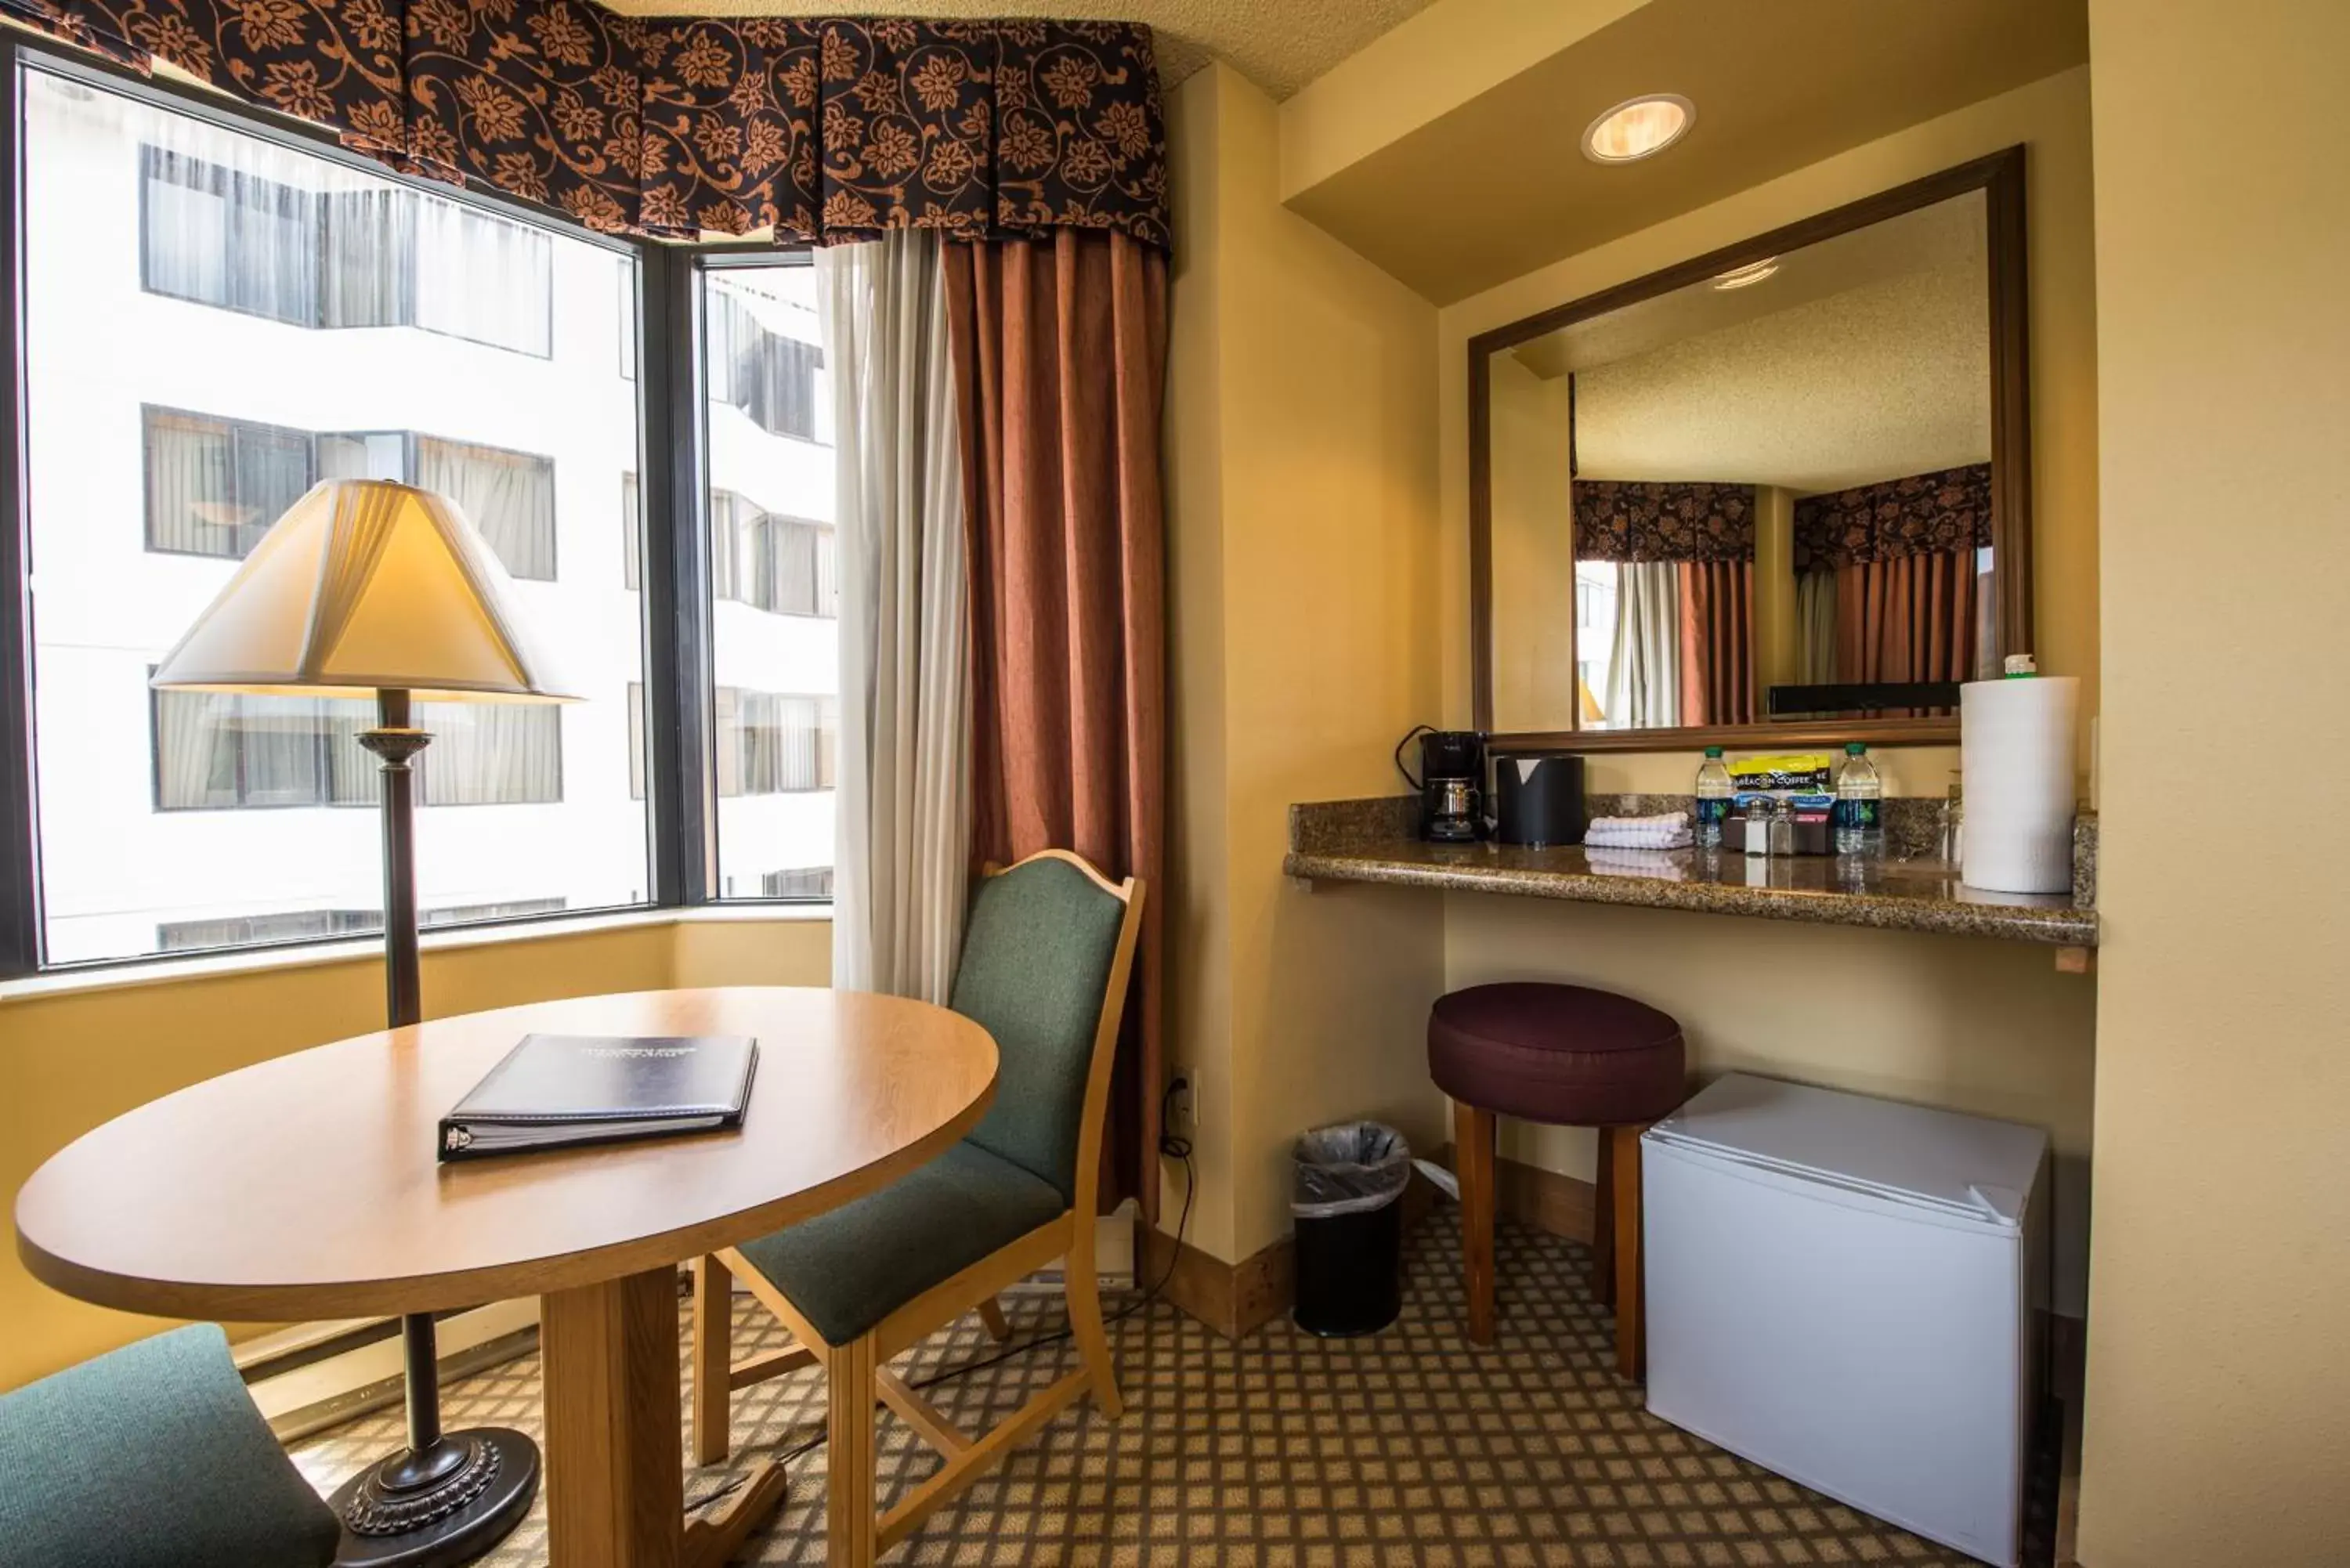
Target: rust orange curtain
1907,617
1060,349
1717,661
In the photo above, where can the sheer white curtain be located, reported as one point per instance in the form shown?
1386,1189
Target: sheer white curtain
1644,682
508,496
903,836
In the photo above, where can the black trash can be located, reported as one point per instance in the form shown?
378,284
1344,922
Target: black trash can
1349,1249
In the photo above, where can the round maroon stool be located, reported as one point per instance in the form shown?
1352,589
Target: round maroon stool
1569,1056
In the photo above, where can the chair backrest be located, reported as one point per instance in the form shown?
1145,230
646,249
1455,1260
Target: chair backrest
1046,954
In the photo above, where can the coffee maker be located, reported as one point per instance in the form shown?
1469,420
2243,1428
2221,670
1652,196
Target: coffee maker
1451,782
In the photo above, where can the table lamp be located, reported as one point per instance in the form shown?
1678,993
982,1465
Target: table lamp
368,588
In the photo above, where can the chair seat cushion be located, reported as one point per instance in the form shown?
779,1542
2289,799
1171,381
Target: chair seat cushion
152,1457
1561,1054
848,1270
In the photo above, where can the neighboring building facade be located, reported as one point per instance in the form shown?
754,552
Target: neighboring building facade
213,324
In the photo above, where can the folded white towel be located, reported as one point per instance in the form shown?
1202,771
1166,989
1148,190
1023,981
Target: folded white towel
1661,820
1677,839
1656,864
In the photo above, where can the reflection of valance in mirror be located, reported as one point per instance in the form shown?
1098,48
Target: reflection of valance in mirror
1641,520
1949,510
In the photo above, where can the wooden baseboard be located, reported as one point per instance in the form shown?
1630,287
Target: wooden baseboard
1559,1205
1233,1299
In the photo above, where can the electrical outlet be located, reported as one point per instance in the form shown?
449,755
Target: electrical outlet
1182,1102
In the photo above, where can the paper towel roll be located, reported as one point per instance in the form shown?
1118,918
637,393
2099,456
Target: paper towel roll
2016,756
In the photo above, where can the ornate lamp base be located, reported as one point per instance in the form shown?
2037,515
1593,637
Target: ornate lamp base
445,1505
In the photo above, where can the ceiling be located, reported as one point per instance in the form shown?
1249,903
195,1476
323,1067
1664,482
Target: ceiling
1864,357
1280,45
1497,185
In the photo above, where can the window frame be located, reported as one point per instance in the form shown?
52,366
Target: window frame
678,760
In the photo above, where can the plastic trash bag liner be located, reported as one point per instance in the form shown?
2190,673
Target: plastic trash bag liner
1350,1169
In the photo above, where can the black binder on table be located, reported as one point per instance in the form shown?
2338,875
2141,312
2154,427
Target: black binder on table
560,1091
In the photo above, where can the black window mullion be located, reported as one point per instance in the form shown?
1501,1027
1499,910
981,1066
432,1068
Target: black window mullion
676,594
20,882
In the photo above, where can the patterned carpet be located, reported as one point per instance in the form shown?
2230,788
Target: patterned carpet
1282,1451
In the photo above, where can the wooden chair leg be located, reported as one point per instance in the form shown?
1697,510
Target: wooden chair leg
1084,1289
1603,1219
990,1313
1472,1154
1631,1326
849,1488
713,1355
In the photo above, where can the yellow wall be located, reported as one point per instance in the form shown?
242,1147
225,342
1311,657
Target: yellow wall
73,1054
2051,118
1302,521
2219,1398
1986,1027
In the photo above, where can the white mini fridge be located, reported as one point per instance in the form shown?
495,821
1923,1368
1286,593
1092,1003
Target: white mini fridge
1840,1289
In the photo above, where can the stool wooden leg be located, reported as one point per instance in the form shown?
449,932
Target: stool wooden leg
1472,1154
1603,1220
1631,1326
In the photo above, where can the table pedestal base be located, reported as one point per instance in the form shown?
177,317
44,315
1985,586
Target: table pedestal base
615,1457
490,1475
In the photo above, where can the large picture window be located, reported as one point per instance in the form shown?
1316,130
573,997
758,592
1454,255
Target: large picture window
214,320
774,580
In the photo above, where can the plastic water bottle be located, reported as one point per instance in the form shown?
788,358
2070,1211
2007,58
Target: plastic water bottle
1713,792
1859,810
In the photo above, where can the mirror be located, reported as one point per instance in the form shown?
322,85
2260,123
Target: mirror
1779,490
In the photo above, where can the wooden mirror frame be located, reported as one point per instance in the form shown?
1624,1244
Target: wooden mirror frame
2000,179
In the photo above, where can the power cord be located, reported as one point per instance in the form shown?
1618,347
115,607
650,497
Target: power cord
1173,1146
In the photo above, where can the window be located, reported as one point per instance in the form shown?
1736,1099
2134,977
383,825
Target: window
215,486
768,371
774,743
225,237
240,224
317,925
219,749
201,267
774,579
785,566
632,533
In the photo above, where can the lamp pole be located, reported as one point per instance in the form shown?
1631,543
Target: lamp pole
451,1496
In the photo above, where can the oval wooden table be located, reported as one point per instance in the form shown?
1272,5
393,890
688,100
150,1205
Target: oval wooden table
307,1188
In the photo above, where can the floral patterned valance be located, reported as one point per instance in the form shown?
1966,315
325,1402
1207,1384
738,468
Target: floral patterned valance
1639,520
1946,510
826,129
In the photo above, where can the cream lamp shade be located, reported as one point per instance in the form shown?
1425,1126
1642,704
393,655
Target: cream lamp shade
367,585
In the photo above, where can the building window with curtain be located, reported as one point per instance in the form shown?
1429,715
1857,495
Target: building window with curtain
632,533
316,925
216,485
768,374
218,751
775,742
509,496
351,253
784,566
225,237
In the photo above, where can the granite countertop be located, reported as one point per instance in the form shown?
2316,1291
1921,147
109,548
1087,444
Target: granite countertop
1376,841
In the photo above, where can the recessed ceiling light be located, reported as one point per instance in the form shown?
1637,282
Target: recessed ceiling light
1752,273
1638,128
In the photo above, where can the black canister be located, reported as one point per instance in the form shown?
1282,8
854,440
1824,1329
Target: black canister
1538,798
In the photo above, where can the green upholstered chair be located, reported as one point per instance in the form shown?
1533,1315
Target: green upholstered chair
1044,968
152,1457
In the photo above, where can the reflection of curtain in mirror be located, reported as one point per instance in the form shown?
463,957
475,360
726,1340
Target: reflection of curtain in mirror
1644,666
1815,628
1717,620
1908,618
